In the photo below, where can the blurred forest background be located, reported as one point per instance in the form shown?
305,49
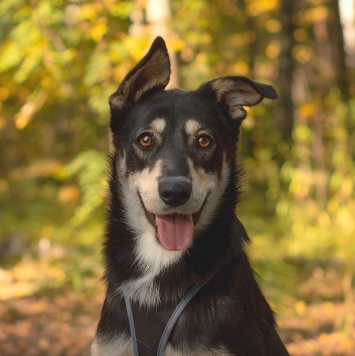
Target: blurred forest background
59,62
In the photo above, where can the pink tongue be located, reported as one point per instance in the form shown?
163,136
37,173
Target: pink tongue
175,232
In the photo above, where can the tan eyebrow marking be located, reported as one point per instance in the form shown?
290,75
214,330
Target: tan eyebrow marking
192,126
158,125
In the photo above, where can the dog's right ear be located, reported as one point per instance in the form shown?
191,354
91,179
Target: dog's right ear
152,72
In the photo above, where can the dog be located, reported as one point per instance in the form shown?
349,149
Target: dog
178,280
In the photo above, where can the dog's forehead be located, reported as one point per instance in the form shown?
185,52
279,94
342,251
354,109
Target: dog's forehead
175,110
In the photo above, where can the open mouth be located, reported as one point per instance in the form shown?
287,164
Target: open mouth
174,231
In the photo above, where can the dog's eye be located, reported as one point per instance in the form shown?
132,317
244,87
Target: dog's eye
203,141
145,140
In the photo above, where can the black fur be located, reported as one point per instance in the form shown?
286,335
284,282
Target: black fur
230,310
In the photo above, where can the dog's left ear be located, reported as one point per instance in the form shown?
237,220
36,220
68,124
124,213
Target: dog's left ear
152,72
236,92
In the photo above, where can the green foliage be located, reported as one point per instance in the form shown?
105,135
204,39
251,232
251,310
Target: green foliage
310,196
59,62
90,168
321,198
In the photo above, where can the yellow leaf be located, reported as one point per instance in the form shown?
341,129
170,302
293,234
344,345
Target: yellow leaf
98,31
68,194
300,307
273,26
22,120
273,49
307,110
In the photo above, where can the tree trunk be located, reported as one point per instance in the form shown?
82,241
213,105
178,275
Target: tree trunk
253,45
158,15
339,55
286,67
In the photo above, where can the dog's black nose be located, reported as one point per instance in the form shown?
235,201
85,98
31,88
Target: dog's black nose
175,191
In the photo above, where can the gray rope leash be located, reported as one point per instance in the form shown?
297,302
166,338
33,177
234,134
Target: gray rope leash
174,318
131,325
170,324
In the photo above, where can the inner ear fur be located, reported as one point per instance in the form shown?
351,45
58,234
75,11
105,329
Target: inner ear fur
236,92
152,72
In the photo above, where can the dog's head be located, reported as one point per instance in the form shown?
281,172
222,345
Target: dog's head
175,150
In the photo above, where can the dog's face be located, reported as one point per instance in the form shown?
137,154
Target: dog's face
173,162
175,151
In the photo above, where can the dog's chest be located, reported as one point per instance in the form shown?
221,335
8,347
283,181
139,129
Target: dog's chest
150,324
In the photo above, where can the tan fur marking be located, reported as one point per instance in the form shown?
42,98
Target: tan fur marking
155,69
198,351
117,101
235,93
191,127
222,86
206,183
158,125
120,346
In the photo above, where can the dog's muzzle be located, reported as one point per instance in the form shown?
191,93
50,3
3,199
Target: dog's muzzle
174,231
